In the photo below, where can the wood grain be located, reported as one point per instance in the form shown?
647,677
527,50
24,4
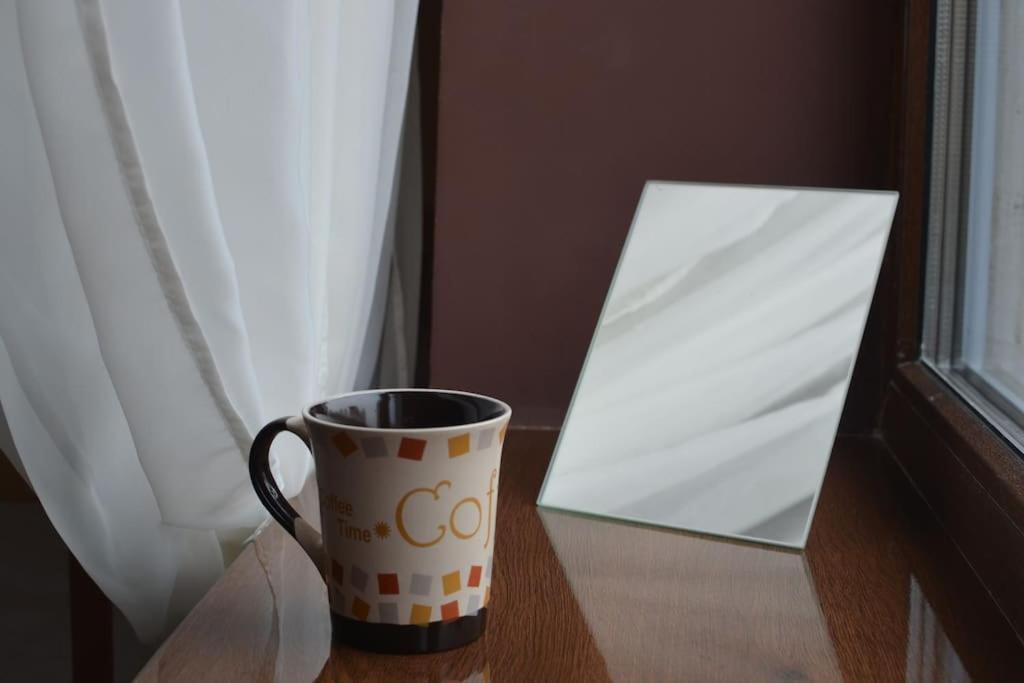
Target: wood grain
886,573
880,594
902,292
972,479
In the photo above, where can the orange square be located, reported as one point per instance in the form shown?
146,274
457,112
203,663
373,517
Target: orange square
450,610
487,596
458,445
360,609
387,584
474,576
344,443
420,615
501,434
452,583
337,573
412,449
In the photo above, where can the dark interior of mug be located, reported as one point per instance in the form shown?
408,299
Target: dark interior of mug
398,409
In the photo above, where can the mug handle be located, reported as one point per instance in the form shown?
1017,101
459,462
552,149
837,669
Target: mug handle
272,498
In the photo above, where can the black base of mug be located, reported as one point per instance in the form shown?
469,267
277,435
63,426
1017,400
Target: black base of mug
400,639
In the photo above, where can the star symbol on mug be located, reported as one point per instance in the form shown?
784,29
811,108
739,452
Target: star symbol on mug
382,530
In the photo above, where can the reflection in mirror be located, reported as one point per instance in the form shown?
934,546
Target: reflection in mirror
712,390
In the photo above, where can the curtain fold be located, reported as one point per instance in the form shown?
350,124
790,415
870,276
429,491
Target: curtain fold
195,203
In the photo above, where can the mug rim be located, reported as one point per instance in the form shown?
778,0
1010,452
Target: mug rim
506,411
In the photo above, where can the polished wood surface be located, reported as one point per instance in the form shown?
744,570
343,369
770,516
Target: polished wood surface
972,479
880,594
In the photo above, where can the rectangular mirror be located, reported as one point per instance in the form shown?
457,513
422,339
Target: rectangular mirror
711,394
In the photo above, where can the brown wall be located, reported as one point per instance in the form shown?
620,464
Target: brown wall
552,114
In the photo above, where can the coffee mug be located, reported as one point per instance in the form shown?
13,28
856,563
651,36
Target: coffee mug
408,484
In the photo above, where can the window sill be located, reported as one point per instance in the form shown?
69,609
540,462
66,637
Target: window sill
971,478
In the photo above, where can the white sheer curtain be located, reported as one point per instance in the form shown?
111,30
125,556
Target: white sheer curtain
195,204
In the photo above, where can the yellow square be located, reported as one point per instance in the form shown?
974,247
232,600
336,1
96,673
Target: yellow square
452,583
501,434
420,615
487,596
458,445
360,609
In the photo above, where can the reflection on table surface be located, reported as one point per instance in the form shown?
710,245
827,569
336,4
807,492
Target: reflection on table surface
880,594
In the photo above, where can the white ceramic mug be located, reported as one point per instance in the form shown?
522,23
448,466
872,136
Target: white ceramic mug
408,483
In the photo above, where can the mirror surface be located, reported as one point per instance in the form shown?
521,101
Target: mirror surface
711,394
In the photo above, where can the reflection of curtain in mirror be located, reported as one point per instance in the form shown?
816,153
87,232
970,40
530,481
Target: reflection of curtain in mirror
714,383
195,204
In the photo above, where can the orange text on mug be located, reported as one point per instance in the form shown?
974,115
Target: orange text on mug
442,529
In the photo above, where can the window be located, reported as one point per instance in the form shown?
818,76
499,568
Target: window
973,326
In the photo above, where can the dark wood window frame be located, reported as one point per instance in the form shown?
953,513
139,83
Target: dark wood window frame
972,479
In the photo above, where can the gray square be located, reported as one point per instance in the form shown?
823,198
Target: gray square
374,447
358,578
420,584
490,566
485,439
388,612
473,604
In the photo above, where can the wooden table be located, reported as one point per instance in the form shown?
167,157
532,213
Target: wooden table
880,594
